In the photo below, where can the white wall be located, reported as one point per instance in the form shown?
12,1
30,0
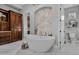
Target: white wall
55,18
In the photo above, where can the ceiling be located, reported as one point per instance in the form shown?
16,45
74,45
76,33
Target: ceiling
20,6
16,6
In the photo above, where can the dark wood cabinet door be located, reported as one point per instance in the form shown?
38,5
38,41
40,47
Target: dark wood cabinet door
14,36
16,26
0,26
19,26
13,18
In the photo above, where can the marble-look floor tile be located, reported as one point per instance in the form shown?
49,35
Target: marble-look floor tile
68,49
31,52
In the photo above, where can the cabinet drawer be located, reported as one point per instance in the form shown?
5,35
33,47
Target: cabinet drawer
5,37
4,40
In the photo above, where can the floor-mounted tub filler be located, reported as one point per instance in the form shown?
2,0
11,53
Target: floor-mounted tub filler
40,43
10,48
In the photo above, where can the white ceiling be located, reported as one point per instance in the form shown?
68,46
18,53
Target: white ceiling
20,6
69,5
16,6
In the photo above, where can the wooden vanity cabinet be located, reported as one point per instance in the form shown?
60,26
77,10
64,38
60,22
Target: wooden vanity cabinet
15,26
11,28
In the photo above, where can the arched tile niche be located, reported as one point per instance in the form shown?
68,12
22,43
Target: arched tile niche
43,21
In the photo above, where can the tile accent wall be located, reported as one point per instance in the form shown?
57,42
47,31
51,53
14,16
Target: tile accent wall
43,19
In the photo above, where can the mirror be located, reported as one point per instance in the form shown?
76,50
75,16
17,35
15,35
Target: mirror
4,22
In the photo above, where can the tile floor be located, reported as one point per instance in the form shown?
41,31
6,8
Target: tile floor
30,52
68,49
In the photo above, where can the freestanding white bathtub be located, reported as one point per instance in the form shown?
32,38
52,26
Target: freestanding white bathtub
40,43
10,48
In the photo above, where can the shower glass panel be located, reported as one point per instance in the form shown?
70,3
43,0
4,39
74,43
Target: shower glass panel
71,24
